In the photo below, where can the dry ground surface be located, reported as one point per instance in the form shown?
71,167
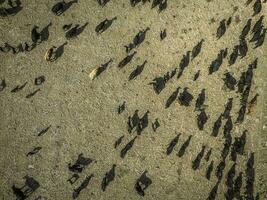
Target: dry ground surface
82,113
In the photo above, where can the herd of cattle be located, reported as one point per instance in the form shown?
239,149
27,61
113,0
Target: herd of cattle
253,32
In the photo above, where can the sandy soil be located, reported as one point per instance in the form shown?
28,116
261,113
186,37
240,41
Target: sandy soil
83,114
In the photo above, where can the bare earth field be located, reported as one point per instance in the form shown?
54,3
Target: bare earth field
183,117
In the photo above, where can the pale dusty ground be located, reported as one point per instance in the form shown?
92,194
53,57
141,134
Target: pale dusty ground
82,113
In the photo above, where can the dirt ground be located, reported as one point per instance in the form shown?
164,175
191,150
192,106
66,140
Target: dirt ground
82,113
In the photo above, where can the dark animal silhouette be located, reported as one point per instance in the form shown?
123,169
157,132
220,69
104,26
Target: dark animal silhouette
228,108
258,25
185,98
229,21
126,60
155,125
221,29
257,7
219,170
39,80
228,126
230,176
143,123
227,145
58,52
33,93
103,67
83,185
104,25
197,49
209,170
133,121
213,192
140,37
30,186
250,177
127,147
184,63
158,84
229,81
238,146
80,164
257,33
18,88
196,162
207,157
35,35
12,10
109,176
45,33
42,132
19,193
202,119
34,151
200,100
238,185
118,142
241,114
75,31
163,5
121,108
142,184
60,7
242,82
261,39
215,65
252,103
216,126
243,47
196,76
156,3
234,55
163,34
172,144
185,145
138,70
246,29
172,98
